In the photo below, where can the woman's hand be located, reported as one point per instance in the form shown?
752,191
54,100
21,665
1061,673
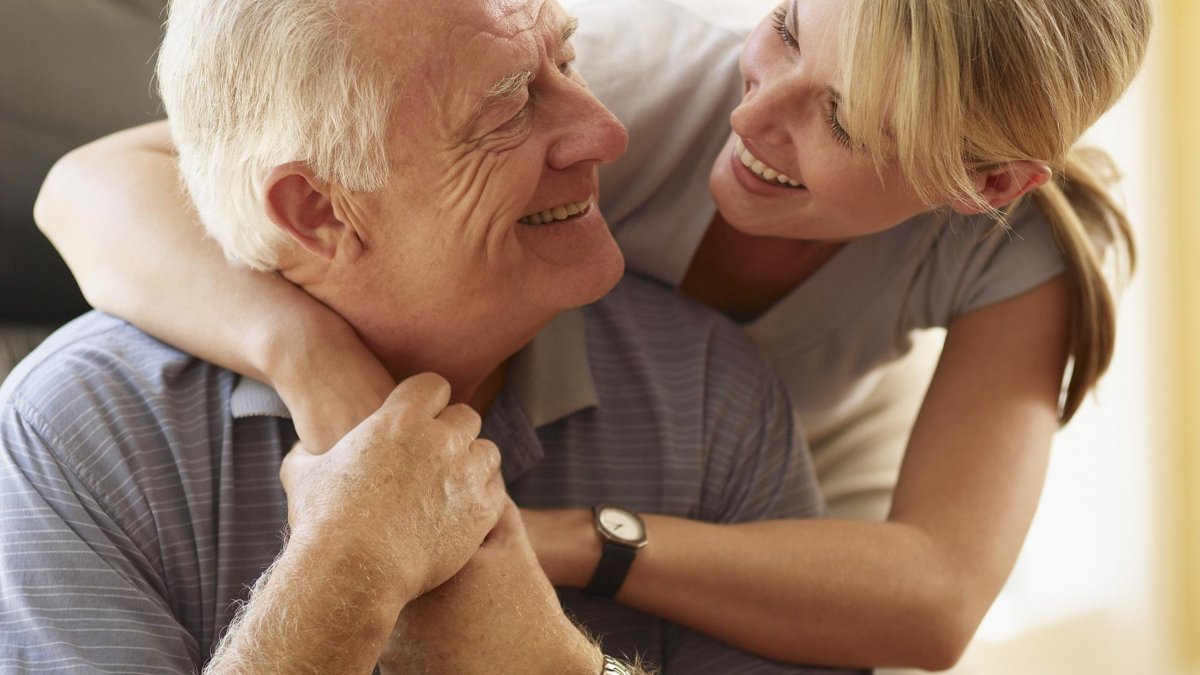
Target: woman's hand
566,544
498,614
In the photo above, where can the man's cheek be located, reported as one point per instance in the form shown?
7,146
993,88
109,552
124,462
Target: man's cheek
494,187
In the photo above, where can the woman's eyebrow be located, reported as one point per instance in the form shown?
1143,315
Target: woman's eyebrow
795,22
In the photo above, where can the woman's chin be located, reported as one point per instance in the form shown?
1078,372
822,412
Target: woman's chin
749,220
748,213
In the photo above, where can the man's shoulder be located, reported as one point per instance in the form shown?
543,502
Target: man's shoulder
652,306
644,317
99,370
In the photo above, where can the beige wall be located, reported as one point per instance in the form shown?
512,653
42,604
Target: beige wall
1178,26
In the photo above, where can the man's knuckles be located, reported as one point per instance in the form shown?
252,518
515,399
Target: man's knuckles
486,455
462,417
426,394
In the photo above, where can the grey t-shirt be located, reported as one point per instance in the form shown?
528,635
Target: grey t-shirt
673,80
139,489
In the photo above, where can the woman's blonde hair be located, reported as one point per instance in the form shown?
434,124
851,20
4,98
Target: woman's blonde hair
965,85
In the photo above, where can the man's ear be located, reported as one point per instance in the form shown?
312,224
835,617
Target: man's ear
301,205
1004,184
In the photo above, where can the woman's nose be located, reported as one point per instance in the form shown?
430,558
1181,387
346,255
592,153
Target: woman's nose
763,114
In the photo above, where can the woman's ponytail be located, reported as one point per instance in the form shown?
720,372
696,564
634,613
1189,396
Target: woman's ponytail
1087,222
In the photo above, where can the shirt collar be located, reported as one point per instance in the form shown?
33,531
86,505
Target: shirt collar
550,377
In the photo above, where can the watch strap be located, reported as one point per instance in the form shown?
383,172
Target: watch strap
615,561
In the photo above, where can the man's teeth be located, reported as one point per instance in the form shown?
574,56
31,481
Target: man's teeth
557,213
762,170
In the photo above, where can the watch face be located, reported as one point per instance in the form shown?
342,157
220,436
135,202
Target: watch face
621,524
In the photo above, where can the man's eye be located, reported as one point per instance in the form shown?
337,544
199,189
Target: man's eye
566,66
521,114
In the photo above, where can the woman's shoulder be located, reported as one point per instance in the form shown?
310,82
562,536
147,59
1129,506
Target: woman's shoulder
672,78
974,261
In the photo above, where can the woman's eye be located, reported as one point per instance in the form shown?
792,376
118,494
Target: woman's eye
835,126
779,18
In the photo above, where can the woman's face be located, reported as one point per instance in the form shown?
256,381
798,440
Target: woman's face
788,124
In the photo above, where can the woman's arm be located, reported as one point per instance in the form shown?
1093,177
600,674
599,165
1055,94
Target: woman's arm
908,592
117,212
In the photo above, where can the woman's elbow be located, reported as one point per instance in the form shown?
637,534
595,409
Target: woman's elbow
941,649
50,198
944,630
57,212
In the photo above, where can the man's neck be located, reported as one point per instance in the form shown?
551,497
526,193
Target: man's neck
476,375
413,335
485,392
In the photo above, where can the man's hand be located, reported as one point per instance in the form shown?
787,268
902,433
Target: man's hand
411,492
394,509
498,615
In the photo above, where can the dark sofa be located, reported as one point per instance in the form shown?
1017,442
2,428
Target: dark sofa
70,71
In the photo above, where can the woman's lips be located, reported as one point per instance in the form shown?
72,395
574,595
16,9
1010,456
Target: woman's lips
755,184
760,168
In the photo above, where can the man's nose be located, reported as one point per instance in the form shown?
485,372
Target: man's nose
590,132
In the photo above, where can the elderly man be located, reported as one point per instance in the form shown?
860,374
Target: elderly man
427,170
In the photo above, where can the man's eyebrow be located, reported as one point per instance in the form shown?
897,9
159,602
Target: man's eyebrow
568,31
507,87
511,86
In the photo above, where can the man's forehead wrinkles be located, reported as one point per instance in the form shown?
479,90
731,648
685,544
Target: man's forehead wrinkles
517,15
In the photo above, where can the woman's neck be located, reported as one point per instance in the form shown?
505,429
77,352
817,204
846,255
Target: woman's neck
744,275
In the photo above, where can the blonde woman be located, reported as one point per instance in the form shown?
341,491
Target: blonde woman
893,165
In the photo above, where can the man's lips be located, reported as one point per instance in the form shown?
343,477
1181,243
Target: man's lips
557,213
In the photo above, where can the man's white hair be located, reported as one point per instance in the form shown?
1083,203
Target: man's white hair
252,84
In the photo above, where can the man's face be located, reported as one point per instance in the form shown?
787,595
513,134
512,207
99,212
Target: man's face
493,133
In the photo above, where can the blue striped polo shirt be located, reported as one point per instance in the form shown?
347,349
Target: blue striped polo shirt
140,498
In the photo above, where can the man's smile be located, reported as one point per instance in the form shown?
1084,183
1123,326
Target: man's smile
562,212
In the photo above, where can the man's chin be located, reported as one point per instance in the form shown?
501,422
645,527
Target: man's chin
608,277
584,258
591,280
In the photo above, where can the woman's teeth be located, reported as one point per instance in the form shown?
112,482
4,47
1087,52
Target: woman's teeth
761,170
557,213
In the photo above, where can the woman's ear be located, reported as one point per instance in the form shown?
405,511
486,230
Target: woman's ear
301,205
1004,184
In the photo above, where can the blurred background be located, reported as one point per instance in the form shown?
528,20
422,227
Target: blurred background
1109,579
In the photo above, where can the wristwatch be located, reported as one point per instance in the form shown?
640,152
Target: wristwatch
615,667
623,533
